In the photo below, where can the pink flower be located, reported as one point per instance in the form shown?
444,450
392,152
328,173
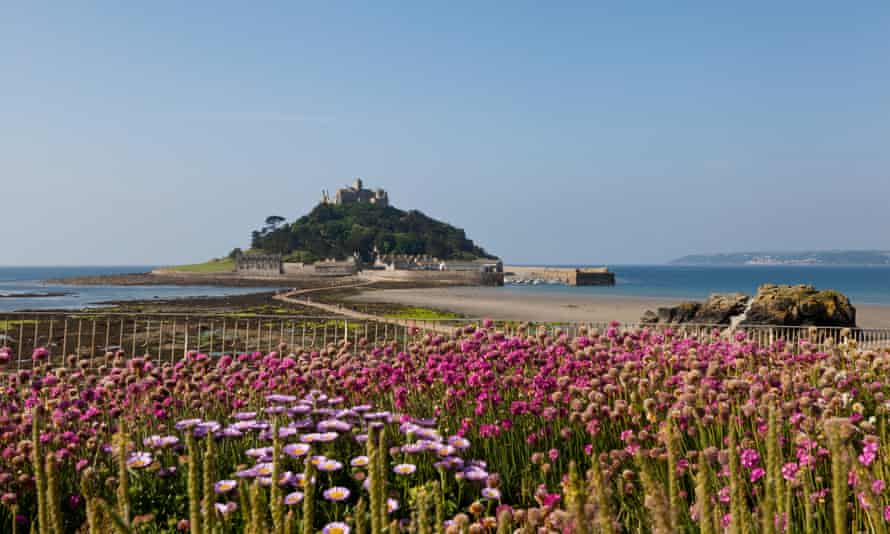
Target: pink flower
869,452
553,454
749,458
757,473
789,471
877,487
863,502
550,499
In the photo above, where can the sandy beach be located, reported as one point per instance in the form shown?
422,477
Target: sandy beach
500,303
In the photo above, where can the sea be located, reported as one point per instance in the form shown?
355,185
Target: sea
862,284
31,280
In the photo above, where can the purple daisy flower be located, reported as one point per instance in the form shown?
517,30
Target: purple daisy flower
335,528
336,494
139,460
293,498
404,469
224,486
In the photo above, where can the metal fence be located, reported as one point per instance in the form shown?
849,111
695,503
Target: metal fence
166,336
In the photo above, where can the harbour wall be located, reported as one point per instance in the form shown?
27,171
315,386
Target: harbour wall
598,276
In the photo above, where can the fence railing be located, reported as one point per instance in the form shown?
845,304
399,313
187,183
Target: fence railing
166,336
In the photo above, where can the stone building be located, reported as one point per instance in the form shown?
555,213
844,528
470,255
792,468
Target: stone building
259,264
356,193
404,262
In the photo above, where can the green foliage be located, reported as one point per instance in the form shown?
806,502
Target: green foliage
338,231
413,312
301,256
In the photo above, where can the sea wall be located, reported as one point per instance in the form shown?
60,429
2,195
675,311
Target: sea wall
598,276
470,278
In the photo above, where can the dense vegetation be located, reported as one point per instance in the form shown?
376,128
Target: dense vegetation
482,429
339,231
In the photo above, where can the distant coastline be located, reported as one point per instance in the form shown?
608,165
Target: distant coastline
799,258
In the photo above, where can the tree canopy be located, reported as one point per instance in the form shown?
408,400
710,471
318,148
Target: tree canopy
340,230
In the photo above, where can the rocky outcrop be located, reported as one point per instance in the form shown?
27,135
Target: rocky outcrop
717,309
681,313
800,305
773,305
721,307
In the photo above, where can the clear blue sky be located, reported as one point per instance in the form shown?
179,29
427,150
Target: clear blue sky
161,132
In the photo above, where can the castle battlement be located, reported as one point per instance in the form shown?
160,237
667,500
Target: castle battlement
356,193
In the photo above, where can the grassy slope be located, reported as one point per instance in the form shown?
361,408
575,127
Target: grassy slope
212,266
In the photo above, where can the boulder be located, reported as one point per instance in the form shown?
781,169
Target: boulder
649,318
800,305
719,308
681,313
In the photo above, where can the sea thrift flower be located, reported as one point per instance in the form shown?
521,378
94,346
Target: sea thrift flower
869,452
757,473
789,471
749,458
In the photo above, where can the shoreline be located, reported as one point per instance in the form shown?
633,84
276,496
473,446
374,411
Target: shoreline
466,301
179,279
492,303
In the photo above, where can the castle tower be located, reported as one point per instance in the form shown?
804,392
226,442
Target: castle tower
357,184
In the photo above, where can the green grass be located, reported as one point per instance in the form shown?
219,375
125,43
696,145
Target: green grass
212,266
14,324
413,312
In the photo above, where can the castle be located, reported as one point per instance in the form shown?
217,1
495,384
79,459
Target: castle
357,193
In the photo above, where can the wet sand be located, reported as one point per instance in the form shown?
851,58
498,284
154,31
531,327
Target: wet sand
500,303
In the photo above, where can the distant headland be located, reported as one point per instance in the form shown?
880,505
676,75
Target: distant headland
818,257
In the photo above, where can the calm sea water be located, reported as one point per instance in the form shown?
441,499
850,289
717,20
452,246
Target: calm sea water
19,280
862,284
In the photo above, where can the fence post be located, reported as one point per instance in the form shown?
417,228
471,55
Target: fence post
185,343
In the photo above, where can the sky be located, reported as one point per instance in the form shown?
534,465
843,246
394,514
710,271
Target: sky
589,132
